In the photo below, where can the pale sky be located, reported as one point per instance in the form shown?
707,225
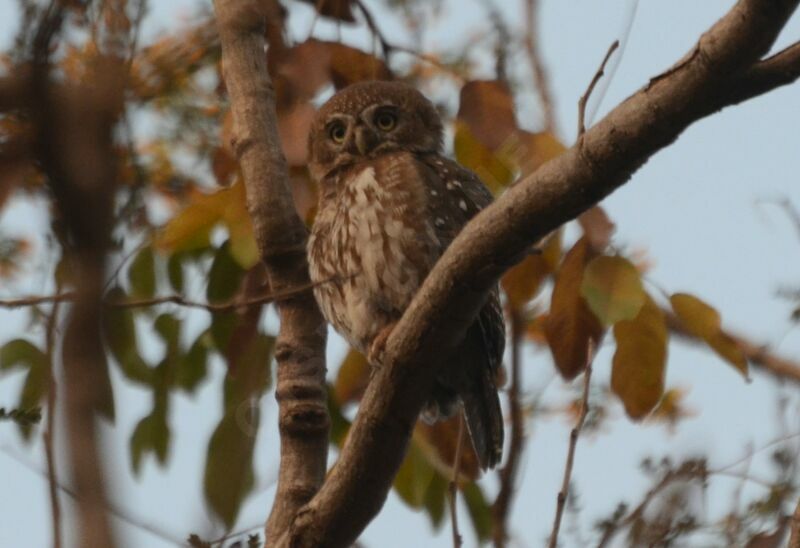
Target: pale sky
693,208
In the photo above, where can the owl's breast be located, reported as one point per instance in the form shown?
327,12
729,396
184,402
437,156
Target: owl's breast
369,253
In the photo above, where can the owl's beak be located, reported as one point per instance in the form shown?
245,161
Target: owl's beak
363,139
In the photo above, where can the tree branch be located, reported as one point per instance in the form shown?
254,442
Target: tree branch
607,156
281,235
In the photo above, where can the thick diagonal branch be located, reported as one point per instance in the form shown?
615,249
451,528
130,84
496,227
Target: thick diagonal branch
604,159
281,236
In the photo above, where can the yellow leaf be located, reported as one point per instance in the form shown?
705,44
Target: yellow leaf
699,319
613,289
190,228
496,170
570,326
637,374
352,378
727,349
522,282
704,322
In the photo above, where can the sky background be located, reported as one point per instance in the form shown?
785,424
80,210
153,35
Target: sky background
699,208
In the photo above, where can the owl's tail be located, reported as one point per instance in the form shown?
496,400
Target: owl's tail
484,419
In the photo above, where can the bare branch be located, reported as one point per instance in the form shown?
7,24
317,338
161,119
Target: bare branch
794,538
540,80
585,97
453,488
610,152
281,236
573,444
508,474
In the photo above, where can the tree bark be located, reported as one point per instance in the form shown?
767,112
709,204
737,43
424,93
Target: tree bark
281,235
722,69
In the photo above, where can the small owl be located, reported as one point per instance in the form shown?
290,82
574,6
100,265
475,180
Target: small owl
389,205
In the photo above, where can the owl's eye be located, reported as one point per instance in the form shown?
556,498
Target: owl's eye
337,132
385,120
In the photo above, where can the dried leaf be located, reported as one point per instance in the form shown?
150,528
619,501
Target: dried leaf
571,325
597,227
439,440
639,364
703,321
522,282
613,289
352,379
486,107
336,9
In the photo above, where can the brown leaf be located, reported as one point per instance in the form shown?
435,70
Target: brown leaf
639,364
597,227
351,65
487,108
336,9
570,325
302,71
438,442
522,282
352,379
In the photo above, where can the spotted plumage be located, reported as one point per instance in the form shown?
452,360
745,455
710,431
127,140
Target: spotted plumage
390,204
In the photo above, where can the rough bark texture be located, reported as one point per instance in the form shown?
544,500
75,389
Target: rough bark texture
719,71
281,235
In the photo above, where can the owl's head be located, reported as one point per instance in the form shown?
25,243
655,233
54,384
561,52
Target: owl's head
368,119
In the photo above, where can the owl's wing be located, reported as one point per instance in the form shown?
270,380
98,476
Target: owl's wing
455,195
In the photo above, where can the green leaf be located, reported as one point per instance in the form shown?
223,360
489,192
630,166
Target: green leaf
229,474
613,289
151,435
192,366
479,511
120,336
639,363
21,354
168,327
224,277
141,274
33,392
175,271
414,477
435,499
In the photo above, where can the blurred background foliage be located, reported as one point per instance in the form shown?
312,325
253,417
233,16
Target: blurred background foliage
181,224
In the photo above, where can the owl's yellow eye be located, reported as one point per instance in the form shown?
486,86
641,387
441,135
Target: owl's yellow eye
337,132
385,120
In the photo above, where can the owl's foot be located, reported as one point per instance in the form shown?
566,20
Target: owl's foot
378,346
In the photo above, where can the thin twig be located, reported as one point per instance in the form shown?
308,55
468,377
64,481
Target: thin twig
71,296
794,538
508,474
585,97
386,47
540,80
48,433
573,443
453,488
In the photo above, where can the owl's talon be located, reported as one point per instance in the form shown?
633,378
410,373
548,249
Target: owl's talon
378,346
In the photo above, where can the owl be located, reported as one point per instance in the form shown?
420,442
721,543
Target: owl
389,205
